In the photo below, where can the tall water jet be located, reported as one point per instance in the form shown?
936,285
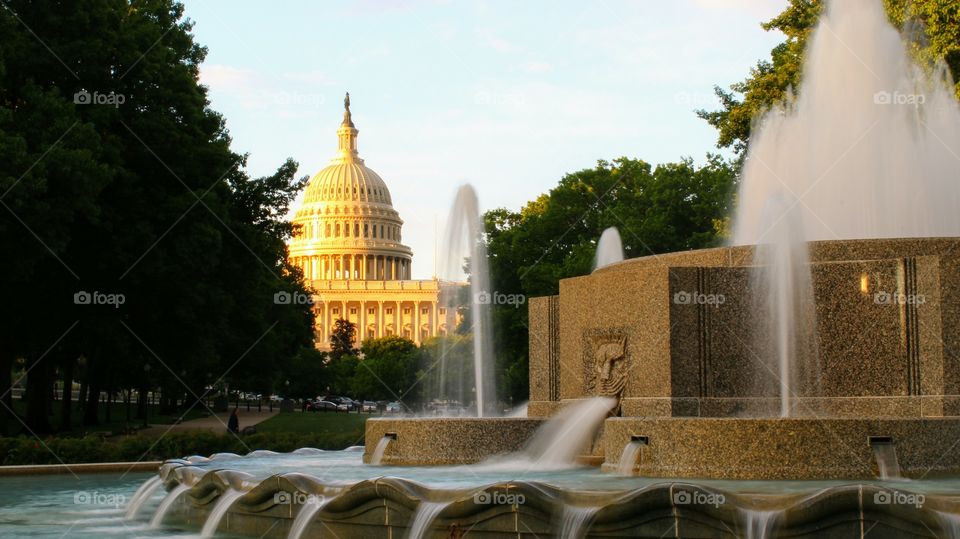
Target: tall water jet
867,149
609,248
787,317
464,240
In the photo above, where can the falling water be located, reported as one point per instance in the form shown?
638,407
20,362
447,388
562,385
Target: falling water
759,524
609,249
377,457
887,463
576,521
144,493
464,239
305,516
219,510
628,459
424,517
166,504
557,442
865,150
950,524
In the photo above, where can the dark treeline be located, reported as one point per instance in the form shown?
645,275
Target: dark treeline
136,252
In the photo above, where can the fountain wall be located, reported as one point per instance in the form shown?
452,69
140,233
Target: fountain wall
669,335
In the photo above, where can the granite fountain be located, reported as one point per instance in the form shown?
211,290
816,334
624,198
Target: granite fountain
803,381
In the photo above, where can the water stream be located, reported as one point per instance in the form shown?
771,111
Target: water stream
219,510
377,457
144,493
424,517
166,504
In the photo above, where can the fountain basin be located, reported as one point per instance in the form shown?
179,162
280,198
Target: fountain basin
782,448
447,440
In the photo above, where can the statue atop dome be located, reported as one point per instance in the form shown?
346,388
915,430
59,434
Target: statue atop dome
347,120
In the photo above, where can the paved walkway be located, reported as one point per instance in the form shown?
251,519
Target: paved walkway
217,423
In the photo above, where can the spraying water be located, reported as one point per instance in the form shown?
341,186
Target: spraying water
464,240
609,249
759,524
867,150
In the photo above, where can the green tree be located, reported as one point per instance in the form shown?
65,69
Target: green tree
671,207
387,370
935,37
342,338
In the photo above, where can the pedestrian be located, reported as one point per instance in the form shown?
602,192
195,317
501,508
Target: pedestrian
233,424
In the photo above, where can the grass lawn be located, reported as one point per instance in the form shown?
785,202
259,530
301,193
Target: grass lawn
309,422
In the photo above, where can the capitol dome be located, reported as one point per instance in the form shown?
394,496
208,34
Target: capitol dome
347,228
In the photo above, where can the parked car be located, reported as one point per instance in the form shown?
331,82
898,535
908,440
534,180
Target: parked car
392,408
322,406
369,406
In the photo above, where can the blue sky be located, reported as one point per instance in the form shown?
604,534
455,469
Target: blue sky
508,96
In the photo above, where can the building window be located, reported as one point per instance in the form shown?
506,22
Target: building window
389,311
443,312
366,231
371,334
353,310
374,231
425,310
372,310
337,231
356,230
406,310
327,231
336,311
381,231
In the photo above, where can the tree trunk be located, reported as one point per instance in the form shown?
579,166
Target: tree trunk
90,413
38,398
66,403
6,388
107,414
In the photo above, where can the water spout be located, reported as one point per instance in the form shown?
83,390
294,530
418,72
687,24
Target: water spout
576,521
166,504
377,457
557,442
426,513
631,455
885,452
759,524
313,506
609,249
219,510
144,493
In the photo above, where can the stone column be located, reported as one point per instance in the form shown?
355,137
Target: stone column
362,330
433,317
380,320
326,322
416,322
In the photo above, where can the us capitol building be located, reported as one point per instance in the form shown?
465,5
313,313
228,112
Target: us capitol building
349,246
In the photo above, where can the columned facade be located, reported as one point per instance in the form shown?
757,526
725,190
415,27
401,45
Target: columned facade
348,244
